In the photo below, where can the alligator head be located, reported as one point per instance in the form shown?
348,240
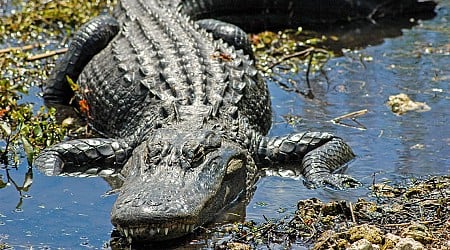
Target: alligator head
177,182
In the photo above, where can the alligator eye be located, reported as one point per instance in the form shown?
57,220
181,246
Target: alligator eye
199,154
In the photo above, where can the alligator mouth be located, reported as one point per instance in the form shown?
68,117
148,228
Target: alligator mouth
155,232
160,202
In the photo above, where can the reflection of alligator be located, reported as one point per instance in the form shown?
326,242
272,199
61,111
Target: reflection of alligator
184,119
258,15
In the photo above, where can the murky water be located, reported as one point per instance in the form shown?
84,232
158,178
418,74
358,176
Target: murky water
74,212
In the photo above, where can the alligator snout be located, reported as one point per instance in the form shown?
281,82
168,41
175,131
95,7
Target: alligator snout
166,200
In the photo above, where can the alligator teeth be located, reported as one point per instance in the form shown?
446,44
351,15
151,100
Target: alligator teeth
130,233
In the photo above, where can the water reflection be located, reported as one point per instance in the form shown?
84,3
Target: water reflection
362,34
22,190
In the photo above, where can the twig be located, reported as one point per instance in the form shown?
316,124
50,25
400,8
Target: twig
309,52
321,241
352,116
26,47
309,94
296,54
305,53
351,212
47,54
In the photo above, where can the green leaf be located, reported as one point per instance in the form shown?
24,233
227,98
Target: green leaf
29,150
37,131
72,84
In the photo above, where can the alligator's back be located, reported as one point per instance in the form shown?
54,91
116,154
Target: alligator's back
161,70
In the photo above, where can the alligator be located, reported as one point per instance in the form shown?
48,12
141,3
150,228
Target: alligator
182,117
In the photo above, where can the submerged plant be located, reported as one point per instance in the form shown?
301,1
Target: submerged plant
21,127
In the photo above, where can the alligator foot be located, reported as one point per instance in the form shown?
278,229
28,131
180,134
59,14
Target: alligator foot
314,154
334,181
83,156
87,42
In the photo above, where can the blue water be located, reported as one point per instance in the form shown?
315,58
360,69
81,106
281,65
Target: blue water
392,147
71,213
57,212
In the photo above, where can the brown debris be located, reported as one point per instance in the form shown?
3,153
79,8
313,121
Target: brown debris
415,216
401,104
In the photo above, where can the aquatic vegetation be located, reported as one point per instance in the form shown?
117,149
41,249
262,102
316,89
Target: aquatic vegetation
415,213
31,26
282,55
22,126
289,48
35,18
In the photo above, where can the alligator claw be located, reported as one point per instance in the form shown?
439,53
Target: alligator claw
334,181
341,181
50,163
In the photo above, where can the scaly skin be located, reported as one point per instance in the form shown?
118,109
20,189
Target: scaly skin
184,119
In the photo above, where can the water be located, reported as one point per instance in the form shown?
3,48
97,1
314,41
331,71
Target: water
74,212
58,212
392,147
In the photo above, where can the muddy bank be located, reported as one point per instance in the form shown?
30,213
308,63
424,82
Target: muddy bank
414,215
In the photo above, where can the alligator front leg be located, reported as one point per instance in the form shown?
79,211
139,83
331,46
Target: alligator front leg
87,42
89,156
316,155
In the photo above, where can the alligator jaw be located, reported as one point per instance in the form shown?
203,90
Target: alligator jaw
156,232
162,199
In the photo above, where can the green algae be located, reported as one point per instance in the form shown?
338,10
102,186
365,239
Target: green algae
33,18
